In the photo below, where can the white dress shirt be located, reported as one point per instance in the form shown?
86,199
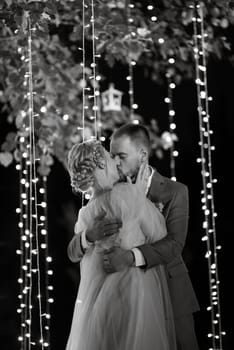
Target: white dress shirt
139,258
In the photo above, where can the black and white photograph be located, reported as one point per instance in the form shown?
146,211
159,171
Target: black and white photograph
116,199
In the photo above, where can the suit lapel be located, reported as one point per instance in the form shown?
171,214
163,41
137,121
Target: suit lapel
156,187
158,193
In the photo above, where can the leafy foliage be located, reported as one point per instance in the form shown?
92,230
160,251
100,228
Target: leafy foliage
150,38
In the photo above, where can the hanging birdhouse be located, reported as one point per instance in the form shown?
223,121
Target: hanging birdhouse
111,99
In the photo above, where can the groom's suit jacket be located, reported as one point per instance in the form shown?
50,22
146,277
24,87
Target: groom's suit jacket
173,197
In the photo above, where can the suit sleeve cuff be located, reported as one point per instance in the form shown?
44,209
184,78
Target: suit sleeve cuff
139,258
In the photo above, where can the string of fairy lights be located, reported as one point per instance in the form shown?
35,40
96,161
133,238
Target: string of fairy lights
168,137
93,79
93,66
34,296
131,62
171,136
208,207
207,193
90,91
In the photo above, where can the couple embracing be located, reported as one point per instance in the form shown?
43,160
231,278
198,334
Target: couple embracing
135,292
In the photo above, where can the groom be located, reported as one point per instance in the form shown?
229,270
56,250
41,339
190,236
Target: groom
130,145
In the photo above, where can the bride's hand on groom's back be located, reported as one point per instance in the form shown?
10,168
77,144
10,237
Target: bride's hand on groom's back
102,228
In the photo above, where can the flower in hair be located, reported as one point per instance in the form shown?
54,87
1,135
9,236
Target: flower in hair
98,156
160,206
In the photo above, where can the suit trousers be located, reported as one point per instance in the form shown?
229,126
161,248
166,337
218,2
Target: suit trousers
185,333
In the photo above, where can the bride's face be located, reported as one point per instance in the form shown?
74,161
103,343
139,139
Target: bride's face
109,175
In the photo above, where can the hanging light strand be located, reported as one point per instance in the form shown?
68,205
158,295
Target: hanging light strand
131,89
25,279
23,223
32,217
45,257
43,191
83,71
172,125
89,80
99,119
84,79
93,66
131,62
92,79
33,187
31,199
207,177
22,309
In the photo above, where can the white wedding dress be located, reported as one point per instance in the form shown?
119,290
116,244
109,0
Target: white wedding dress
130,309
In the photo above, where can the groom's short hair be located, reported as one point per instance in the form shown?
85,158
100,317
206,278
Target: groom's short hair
138,134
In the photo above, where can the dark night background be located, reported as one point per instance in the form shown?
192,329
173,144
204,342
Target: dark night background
63,207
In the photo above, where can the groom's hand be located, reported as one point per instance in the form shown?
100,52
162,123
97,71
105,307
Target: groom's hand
102,228
141,178
117,259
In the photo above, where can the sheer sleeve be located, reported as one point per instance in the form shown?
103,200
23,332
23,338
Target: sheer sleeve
75,249
82,220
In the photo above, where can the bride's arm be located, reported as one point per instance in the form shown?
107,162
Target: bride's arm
78,245
90,227
75,249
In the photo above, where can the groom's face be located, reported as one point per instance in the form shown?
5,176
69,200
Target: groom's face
127,155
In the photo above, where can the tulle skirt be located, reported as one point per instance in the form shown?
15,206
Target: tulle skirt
127,310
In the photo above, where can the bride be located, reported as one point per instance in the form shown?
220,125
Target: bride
129,309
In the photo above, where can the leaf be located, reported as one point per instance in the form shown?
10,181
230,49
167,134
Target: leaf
13,77
48,121
11,136
6,158
9,2
47,159
43,170
45,16
51,7
57,73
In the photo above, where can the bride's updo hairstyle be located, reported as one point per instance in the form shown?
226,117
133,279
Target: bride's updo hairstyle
83,159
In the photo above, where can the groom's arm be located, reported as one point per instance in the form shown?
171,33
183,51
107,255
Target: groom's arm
165,250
